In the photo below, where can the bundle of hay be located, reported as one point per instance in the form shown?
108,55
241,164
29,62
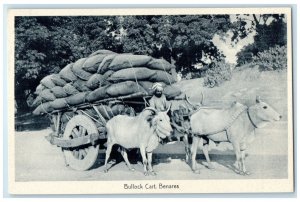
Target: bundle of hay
103,74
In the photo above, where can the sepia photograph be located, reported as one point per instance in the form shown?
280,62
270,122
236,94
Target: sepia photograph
109,101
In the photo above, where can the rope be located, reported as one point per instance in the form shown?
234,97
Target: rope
134,74
165,71
233,118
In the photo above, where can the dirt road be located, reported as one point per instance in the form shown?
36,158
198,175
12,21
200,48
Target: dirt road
37,160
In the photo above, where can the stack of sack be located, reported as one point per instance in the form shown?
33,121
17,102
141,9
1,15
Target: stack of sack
103,74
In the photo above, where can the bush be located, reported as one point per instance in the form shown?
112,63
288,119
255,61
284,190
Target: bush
218,72
274,58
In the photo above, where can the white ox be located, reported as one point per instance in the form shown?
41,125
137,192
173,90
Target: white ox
235,124
142,131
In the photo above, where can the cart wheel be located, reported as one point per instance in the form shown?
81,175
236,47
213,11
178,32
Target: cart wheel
81,158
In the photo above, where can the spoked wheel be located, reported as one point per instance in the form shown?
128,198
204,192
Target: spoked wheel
83,157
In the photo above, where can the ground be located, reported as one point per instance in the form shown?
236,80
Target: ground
37,160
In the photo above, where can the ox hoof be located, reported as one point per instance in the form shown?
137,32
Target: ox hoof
132,169
105,171
247,173
146,173
153,173
196,171
210,166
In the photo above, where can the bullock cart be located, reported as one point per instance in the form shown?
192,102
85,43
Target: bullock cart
80,130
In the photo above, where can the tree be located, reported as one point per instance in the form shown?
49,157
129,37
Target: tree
270,30
184,39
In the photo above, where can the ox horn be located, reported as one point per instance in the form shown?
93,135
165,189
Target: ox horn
151,109
258,100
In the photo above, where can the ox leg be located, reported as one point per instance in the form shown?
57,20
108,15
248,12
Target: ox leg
107,154
125,157
143,153
243,156
187,148
149,158
205,152
237,150
194,153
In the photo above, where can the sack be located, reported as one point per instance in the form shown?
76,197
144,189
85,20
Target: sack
57,80
132,74
37,101
92,63
162,76
100,52
123,61
98,94
58,92
105,63
59,103
39,89
47,81
79,72
77,99
47,95
95,81
105,111
67,116
43,108
124,88
67,74
118,109
159,64
80,85
70,90
171,91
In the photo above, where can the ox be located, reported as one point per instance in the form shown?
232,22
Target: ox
143,131
235,124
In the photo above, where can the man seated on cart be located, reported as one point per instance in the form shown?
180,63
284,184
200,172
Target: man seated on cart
160,103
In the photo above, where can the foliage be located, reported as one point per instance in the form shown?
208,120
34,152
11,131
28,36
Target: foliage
267,35
274,58
217,73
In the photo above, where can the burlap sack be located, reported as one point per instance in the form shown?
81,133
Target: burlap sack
162,76
124,88
43,109
80,85
70,90
159,64
59,103
105,63
79,72
47,81
92,63
77,99
59,92
39,89
37,101
105,111
171,91
132,74
67,116
98,94
47,95
67,74
95,81
118,109
124,61
57,80
102,52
